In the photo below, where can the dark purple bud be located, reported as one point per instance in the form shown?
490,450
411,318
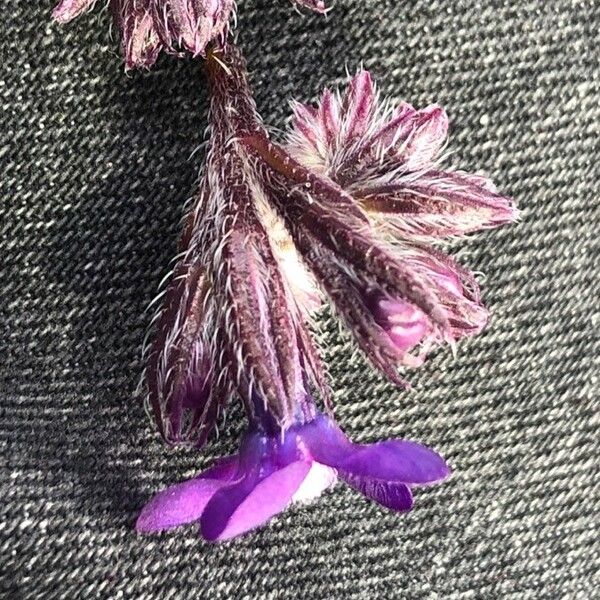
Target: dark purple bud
140,41
387,161
182,391
405,324
192,24
437,204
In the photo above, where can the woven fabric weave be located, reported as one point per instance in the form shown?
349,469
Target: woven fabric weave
95,170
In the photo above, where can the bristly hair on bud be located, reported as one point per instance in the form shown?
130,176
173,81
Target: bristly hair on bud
316,5
234,317
387,157
262,317
361,191
176,26
186,386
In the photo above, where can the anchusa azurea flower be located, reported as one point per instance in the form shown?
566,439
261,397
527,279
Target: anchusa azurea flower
350,203
351,208
177,26
275,468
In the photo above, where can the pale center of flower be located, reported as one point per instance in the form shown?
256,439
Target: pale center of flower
319,478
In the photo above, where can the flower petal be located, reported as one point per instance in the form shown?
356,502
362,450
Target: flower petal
250,503
184,503
393,495
405,323
319,478
397,460
224,468
392,460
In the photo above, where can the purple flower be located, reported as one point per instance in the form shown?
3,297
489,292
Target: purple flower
235,320
273,470
177,26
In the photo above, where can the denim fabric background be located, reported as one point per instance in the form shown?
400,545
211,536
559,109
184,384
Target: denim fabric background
95,169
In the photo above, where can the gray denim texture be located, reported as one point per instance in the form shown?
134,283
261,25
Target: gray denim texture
95,169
